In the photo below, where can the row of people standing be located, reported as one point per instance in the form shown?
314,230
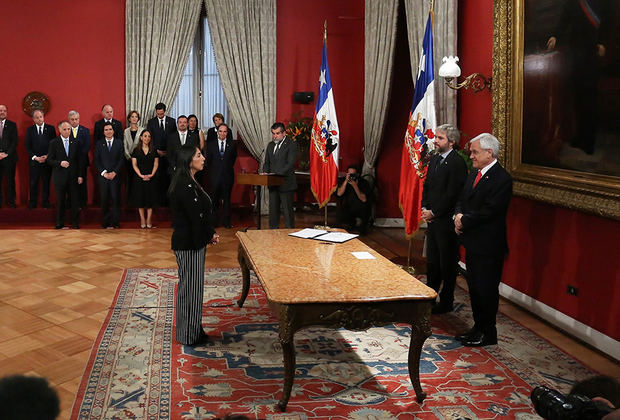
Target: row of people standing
153,152
148,173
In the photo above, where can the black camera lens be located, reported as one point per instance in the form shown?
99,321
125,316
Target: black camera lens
552,405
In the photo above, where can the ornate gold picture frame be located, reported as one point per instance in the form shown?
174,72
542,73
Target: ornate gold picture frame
592,193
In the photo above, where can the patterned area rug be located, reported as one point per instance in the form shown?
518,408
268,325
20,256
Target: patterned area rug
138,371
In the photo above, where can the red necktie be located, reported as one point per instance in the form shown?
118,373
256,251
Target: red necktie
477,179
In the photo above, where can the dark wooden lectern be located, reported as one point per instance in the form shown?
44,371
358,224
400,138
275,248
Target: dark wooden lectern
259,181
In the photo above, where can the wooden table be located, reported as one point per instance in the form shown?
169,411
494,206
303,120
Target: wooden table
310,282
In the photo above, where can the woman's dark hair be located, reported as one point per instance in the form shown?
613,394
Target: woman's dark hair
140,144
24,397
181,172
189,117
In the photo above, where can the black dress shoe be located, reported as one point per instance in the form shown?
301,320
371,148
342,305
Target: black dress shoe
479,339
228,226
46,206
76,226
467,335
12,205
442,309
59,226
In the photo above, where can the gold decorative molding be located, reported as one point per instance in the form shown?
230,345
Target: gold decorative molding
591,193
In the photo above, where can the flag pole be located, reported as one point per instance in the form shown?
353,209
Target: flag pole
325,41
409,254
432,12
325,207
325,214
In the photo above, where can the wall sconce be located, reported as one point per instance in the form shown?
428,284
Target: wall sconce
450,71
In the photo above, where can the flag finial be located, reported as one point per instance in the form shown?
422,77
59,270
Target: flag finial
325,30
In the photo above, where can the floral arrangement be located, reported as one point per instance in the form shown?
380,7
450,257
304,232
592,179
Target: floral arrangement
299,129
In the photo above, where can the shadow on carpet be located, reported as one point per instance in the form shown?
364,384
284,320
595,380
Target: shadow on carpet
137,371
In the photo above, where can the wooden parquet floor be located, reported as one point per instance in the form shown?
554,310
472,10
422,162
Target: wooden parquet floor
56,288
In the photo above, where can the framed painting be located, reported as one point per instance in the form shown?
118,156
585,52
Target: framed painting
556,95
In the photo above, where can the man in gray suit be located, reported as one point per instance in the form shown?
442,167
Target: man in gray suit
280,158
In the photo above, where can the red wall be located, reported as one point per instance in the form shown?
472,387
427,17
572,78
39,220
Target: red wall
300,42
475,51
553,247
73,52
550,247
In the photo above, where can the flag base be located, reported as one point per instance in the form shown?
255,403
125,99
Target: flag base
403,263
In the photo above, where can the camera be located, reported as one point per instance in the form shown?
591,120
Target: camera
353,177
552,405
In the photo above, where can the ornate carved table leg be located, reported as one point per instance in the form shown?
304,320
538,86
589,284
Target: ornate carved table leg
245,271
420,331
288,351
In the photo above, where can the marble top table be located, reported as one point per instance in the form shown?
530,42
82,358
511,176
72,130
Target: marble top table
309,282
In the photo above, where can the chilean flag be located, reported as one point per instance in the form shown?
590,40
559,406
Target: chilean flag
324,146
420,129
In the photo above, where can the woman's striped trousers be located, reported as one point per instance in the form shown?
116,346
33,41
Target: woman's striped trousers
191,263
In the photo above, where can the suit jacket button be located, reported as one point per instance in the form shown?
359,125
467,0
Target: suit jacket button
200,214
195,199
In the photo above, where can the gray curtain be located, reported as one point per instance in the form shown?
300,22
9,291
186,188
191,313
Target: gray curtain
158,37
380,36
444,43
243,33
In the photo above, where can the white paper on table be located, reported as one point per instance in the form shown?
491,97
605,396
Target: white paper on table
308,233
363,255
338,237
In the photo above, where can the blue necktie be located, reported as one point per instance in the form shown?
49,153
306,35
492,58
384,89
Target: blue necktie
109,145
67,147
222,148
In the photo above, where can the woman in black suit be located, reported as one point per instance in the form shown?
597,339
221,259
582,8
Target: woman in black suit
193,230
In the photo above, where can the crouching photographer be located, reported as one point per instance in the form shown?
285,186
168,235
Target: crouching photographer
354,201
592,399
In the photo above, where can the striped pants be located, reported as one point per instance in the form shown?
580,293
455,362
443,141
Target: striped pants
190,291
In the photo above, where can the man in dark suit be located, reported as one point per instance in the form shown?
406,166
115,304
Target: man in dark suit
160,127
280,157
107,112
177,139
221,157
443,185
109,158
480,222
82,135
38,137
8,156
67,164
218,119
